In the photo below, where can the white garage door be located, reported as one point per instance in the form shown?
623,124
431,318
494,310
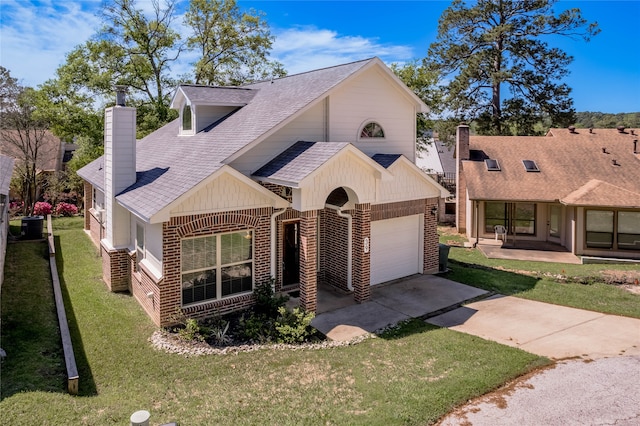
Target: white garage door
396,248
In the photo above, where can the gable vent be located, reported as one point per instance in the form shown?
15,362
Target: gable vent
530,166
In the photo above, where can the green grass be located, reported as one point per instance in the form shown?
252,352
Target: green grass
585,288
413,374
29,323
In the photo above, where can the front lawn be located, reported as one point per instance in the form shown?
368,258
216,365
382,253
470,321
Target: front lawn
577,286
413,374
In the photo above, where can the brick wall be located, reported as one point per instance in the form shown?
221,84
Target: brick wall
462,153
170,292
88,203
308,259
115,268
361,260
431,243
142,284
333,249
398,209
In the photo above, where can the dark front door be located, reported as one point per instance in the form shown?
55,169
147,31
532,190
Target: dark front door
291,254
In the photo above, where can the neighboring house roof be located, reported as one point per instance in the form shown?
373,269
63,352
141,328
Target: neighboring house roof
6,170
50,150
169,164
386,160
583,167
437,157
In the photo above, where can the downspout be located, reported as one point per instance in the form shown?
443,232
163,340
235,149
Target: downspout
349,243
274,253
475,202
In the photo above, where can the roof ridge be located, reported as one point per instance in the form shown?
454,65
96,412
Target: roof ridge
310,71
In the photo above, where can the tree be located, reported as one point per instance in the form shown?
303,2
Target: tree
25,137
500,42
233,46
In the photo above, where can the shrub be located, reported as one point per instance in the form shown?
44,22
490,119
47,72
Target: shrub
191,331
42,209
294,326
267,303
66,209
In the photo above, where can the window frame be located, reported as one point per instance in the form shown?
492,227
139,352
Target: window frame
372,137
141,252
218,268
186,109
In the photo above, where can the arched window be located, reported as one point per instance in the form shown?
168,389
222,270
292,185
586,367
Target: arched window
372,130
186,118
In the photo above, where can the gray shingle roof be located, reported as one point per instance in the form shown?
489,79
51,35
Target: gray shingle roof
217,95
168,165
299,161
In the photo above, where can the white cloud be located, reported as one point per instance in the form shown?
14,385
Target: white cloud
35,38
306,48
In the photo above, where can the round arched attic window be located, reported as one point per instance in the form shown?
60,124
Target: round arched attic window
371,130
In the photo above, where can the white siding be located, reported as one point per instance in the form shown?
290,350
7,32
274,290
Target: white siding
396,248
224,193
406,185
347,170
120,170
310,127
207,114
371,97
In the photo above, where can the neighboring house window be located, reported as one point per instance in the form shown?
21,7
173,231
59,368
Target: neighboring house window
140,252
525,218
216,266
372,130
629,230
518,217
186,118
494,214
599,229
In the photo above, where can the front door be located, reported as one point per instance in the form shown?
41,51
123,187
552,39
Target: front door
291,254
555,223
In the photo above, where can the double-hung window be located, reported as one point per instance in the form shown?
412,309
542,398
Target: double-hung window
216,266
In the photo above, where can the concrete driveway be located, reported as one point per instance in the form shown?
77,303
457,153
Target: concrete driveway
553,331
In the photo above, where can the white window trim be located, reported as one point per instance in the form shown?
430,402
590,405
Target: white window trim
375,139
218,267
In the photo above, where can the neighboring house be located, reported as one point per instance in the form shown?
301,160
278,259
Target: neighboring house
52,153
6,170
301,179
437,160
578,188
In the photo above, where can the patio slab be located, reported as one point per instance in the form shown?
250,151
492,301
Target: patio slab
392,303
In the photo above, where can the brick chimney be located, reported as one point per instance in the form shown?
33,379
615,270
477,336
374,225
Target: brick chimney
119,173
462,153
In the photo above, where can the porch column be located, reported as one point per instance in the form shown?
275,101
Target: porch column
361,276
309,260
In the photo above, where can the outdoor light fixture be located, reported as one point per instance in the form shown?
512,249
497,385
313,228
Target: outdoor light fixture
434,210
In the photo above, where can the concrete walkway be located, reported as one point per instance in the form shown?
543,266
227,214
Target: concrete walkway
390,303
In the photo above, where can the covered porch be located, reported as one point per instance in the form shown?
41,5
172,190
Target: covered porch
527,250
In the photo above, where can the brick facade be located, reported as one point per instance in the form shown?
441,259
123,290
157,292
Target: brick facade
181,227
333,252
431,242
88,203
362,257
308,260
116,271
462,153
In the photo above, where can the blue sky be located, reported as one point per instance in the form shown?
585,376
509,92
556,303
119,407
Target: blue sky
35,35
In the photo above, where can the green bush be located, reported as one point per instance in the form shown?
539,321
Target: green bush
267,302
293,326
